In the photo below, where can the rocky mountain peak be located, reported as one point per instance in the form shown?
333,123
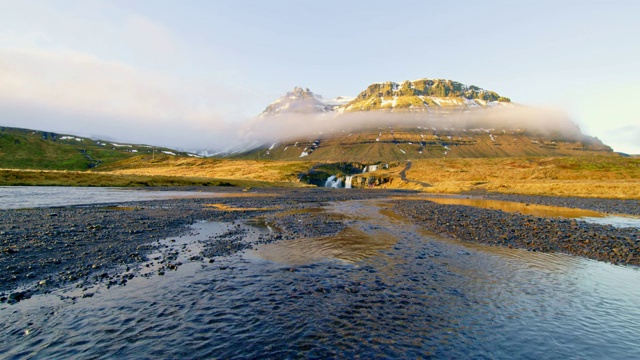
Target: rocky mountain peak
424,95
297,101
299,92
428,95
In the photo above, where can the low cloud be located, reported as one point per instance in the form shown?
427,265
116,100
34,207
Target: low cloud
76,93
549,122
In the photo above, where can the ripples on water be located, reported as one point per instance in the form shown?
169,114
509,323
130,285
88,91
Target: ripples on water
415,296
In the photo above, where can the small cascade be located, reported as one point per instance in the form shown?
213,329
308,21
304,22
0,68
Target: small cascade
368,168
347,181
333,182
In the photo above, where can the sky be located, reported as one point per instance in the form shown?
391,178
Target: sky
182,73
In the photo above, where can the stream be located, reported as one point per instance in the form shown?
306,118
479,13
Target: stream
382,287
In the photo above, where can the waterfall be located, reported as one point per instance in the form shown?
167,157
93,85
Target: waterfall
347,181
368,168
333,182
329,182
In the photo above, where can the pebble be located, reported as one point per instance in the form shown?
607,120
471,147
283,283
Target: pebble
514,230
83,243
92,244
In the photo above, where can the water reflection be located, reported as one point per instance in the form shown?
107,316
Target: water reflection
527,209
22,197
225,207
400,292
537,210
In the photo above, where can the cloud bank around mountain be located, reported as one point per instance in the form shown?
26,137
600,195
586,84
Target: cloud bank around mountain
288,127
80,94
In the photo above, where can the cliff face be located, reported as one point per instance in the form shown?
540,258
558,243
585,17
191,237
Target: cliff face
418,95
424,95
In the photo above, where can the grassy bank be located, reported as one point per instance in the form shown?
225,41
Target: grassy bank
260,170
83,178
594,176
603,177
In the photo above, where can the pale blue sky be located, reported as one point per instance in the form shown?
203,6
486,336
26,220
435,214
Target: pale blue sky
188,67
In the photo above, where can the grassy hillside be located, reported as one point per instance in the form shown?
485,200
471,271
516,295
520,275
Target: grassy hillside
428,160
269,171
608,176
32,149
387,145
85,178
596,176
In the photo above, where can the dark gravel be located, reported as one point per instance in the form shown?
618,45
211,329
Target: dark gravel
47,248
495,227
610,206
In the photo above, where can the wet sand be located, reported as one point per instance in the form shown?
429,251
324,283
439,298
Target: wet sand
50,248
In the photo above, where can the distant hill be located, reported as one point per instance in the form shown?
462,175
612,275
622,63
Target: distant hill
34,149
426,118
386,122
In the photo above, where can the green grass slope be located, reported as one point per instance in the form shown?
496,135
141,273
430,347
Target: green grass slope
33,149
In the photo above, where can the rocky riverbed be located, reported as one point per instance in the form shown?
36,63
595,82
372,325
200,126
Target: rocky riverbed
496,227
44,249
609,206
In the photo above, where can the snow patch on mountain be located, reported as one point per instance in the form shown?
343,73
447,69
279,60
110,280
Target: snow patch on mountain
297,101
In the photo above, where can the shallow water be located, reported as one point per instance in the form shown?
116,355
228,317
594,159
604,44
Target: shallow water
21,197
541,210
383,287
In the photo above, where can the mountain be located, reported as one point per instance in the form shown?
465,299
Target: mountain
423,95
302,101
426,118
35,149
418,95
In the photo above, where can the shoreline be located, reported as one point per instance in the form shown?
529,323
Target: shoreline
620,246
607,206
45,249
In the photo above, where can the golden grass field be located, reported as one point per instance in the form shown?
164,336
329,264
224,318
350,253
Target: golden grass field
582,176
269,171
598,176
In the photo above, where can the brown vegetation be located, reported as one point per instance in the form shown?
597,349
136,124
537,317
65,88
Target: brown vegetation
269,171
606,176
598,176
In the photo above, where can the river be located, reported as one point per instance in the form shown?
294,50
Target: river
23,197
383,287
